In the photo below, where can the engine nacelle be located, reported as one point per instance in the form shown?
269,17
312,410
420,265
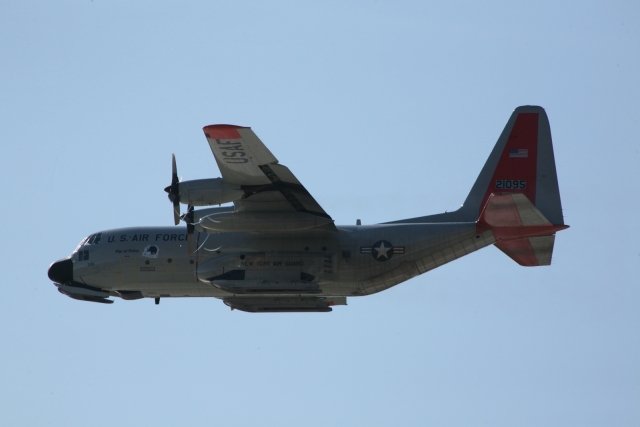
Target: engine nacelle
206,192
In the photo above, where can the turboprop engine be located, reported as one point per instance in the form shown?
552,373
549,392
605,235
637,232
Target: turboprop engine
207,192
199,192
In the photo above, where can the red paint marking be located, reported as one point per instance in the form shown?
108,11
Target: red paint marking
222,131
524,135
520,251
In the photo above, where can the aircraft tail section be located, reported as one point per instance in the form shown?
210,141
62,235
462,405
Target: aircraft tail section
518,191
516,195
522,162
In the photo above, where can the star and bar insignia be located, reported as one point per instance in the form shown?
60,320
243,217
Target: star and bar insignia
382,250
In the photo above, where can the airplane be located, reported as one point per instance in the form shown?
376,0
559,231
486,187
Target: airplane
275,249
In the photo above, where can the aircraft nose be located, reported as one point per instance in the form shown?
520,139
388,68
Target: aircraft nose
61,271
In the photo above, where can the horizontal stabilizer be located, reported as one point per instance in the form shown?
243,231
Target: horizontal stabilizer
530,251
520,229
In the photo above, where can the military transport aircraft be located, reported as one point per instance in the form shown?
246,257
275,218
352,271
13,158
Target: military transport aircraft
277,250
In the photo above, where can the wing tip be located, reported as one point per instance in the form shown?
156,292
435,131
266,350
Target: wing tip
223,131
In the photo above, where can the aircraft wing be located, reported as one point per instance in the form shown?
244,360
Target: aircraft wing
268,186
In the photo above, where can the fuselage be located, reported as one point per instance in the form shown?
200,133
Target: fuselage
356,260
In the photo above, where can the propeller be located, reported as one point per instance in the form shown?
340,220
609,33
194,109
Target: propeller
174,190
188,218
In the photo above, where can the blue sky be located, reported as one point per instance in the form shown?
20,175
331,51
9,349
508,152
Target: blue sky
383,111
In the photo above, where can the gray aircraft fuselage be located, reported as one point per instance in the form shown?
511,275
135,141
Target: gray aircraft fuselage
357,260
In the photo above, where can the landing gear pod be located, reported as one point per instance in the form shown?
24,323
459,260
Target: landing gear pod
85,293
285,305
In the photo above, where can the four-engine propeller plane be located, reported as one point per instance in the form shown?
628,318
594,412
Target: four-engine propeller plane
277,250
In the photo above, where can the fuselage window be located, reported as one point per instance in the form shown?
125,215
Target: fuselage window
83,255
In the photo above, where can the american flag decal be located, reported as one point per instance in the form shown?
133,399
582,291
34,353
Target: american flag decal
519,153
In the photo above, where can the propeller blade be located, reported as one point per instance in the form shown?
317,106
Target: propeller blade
176,212
188,218
174,170
174,190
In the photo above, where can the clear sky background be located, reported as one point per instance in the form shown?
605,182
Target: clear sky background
384,110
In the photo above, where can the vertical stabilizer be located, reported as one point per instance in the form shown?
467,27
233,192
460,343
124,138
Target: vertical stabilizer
522,161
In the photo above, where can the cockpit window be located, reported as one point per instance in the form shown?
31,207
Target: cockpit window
94,239
81,244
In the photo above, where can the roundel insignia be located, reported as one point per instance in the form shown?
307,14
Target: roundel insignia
382,250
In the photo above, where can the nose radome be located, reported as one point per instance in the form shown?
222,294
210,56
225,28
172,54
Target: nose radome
61,271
